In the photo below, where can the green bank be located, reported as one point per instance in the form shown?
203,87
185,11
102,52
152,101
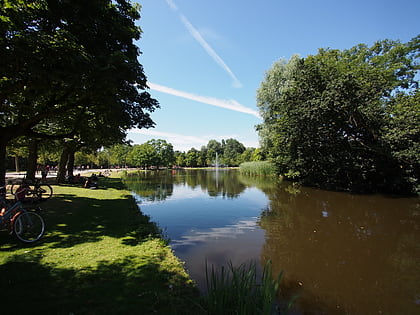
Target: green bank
100,255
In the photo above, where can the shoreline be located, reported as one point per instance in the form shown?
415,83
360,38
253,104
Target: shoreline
100,253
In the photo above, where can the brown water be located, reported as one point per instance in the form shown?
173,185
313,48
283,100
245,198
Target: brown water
341,253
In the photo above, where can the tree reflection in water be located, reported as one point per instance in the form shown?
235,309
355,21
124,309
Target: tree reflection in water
356,254
343,253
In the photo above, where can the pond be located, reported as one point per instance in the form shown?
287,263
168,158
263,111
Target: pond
342,253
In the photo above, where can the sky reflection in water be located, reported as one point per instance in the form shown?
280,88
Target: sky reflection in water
343,253
201,227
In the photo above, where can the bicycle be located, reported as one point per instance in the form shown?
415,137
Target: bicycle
29,191
24,224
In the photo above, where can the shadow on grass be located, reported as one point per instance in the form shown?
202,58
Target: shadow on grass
103,183
117,287
73,219
124,284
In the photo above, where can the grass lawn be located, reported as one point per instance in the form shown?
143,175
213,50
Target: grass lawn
100,255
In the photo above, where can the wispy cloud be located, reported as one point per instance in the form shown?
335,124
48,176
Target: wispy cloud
183,142
199,38
228,104
173,137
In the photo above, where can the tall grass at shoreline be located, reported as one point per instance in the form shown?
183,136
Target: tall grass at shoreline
237,290
257,168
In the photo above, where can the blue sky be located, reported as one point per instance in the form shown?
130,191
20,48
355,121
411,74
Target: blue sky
204,59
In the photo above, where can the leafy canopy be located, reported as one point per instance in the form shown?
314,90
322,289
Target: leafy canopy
70,68
326,116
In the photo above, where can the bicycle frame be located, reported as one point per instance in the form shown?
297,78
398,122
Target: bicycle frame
26,225
31,190
9,213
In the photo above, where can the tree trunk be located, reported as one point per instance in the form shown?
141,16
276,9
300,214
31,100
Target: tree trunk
6,134
61,173
32,159
2,165
70,162
17,164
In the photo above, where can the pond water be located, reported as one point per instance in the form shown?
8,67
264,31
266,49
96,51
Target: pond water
342,253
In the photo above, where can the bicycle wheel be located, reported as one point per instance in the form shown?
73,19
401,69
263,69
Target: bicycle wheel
15,188
28,227
44,191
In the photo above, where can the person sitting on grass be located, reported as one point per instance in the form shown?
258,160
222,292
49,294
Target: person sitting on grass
90,183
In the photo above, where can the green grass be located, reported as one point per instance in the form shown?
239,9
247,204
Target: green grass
259,168
100,255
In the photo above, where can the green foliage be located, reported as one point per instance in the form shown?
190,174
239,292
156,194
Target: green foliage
141,155
70,69
152,153
236,290
402,134
250,154
260,168
81,158
159,153
213,147
179,158
192,158
325,116
117,154
232,150
164,152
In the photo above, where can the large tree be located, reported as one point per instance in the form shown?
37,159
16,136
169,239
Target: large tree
142,155
61,59
164,153
155,152
325,115
231,152
213,148
192,158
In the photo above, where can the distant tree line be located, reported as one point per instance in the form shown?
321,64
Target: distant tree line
228,152
158,153
153,154
346,120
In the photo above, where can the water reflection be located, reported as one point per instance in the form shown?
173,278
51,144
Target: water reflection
344,254
158,185
229,231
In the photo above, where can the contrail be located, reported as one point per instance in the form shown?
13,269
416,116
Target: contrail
210,51
228,104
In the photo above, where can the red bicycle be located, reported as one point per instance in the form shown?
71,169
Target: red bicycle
26,225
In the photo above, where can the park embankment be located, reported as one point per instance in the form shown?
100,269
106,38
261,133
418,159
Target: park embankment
100,255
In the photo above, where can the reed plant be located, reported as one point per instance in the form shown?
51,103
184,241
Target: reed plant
258,168
237,290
